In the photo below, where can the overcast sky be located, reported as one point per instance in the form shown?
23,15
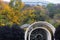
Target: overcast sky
53,1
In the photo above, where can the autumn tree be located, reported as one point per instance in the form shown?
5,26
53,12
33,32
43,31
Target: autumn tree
17,13
8,15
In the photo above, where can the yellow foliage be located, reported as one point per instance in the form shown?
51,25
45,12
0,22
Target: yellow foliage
19,16
22,5
2,24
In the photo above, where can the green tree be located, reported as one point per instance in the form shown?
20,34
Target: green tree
51,9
